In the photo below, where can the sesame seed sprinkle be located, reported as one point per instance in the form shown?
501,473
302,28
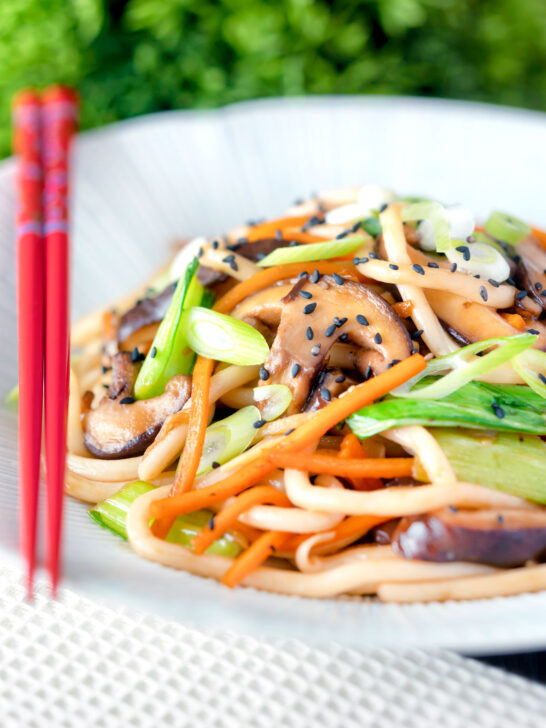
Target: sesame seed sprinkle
464,250
325,394
153,352
533,331
295,370
493,282
498,410
416,334
362,320
453,267
542,377
290,431
500,519
418,269
368,373
309,308
483,293
264,374
393,266
378,338
338,279
127,400
258,424
330,330
520,295
344,337
305,294
340,379
215,245
309,333
432,264
315,276
315,350
538,286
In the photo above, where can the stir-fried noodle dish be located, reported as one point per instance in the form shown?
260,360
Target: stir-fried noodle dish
348,399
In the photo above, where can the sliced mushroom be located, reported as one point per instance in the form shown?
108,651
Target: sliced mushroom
475,322
329,384
121,427
124,374
147,311
313,316
531,271
500,538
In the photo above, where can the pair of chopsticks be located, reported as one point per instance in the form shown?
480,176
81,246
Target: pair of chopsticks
44,125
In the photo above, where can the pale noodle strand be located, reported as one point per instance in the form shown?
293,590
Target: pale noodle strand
422,314
418,441
74,431
500,584
243,267
308,563
170,440
95,491
362,575
394,502
97,469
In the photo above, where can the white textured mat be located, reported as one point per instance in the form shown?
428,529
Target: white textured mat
77,663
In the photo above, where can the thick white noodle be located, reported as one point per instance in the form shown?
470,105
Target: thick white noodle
95,491
362,575
422,314
418,441
308,563
245,268
96,469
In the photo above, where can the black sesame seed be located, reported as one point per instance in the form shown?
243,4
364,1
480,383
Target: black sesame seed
215,464
260,256
453,509
542,377
357,261
303,274
483,293
393,266
362,320
135,355
493,282
477,275
315,276
538,286
340,322
315,350
293,244
105,369
200,253
344,337
498,410
533,331
264,374
465,250
258,424
215,244
330,330
500,519
211,522
233,265
295,370
338,279
309,308
290,431
278,235
520,295
153,352
127,400
383,207
453,267
236,246
305,294
416,334
339,379
343,234
511,281
543,293
393,362
418,269
431,264
325,394
321,378
356,226
378,338
374,256
368,373
309,333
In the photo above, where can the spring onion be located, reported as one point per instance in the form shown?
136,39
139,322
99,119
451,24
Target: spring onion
12,397
112,513
169,354
228,437
370,198
506,228
510,408
314,251
512,463
478,258
372,226
183,259
224,338
462,369
434,214
274,400
531,366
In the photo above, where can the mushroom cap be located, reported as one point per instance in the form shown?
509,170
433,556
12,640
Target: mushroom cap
531,270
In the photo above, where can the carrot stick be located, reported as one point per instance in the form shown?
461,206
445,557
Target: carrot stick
301,237
197,425
403,308
540,235
316,463
254,555
227,517
351,448
269,228
268,276
351,526
307,433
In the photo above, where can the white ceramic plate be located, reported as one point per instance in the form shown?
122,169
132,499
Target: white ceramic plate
140,184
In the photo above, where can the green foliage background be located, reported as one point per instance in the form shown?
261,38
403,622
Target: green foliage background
137,56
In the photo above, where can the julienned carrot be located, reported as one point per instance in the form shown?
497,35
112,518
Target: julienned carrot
228,516
304,435
351,526
540,235
254,555
269,228
197,425
351,448
278,273
403,309
301,237
355,468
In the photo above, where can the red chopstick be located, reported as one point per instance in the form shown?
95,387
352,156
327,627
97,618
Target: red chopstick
30,314
59,115
43,131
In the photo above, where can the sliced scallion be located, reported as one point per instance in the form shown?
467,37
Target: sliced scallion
478,258
372,226
314,251
531,366
462,369
274,400
434,213
224,338
506,227
228,437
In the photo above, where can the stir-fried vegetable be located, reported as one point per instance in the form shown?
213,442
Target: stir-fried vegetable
512,408
463,370
531,366
274,399
112,513
479,259
513,463
506,227
228,437
169,354
314,251
223,338
434,214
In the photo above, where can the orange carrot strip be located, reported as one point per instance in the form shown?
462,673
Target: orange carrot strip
197,425
269,228
228,516
268,276
355,468
351,448
254,555
301,237
515,320
403,308
304,435
540,235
